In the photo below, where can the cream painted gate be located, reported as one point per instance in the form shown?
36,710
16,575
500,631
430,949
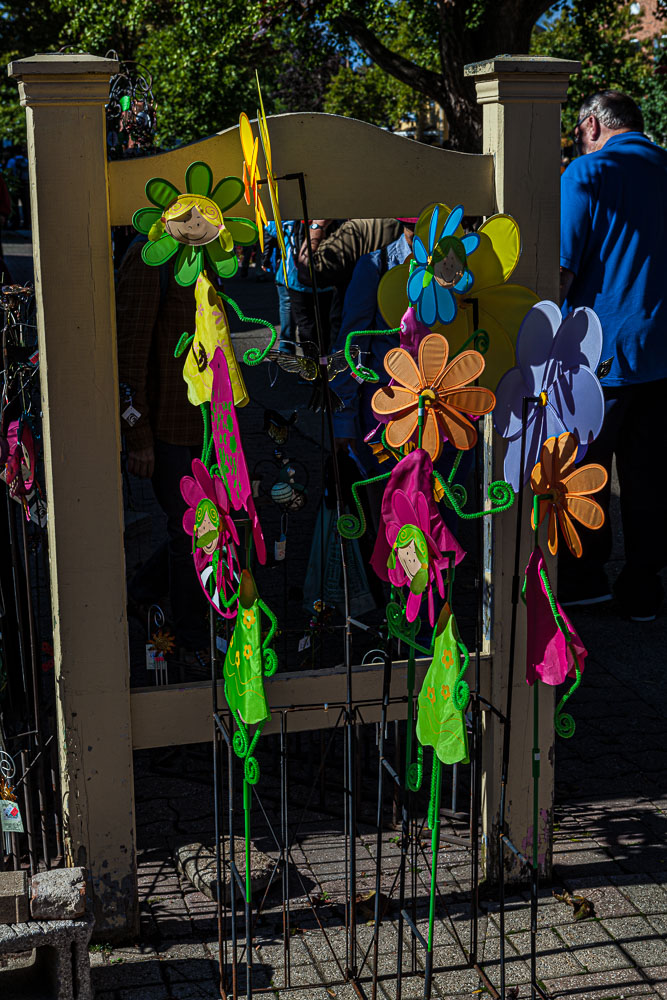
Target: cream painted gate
352,170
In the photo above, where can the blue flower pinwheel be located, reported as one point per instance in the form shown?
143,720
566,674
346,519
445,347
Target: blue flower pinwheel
441,268
556,367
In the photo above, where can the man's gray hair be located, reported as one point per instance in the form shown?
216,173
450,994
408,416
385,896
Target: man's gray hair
613,109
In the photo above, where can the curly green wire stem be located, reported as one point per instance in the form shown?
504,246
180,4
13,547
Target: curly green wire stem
455,466
253,355
479,338
396,454
349,525
461,695
402,634
360,372
564,723
500,493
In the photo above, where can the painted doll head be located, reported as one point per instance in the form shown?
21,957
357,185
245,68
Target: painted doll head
193,220
207,527
411,551
449,261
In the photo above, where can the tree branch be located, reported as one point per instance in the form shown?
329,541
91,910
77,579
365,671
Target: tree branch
408,72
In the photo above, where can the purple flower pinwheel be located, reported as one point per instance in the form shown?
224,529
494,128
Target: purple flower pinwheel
441,269
556,361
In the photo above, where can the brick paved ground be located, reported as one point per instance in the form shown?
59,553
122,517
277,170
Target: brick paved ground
610,846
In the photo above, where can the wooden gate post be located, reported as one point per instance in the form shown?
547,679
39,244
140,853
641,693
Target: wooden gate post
521,98
64,97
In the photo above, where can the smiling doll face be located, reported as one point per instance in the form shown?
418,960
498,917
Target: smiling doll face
194,221
409,560
207,527
450,269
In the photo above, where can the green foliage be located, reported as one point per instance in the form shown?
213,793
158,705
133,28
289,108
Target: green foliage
654,106
201,55
602,43
371,59
371,95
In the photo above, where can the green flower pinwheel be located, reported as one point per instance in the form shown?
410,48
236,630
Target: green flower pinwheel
194,224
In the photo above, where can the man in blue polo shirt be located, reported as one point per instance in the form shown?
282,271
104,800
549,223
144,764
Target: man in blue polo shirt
613,258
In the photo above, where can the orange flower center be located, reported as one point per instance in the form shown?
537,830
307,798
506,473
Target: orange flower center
428,397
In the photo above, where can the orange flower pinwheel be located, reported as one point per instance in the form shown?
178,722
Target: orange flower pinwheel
443,388
566,492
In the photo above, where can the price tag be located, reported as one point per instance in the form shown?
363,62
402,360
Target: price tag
10,817
37,510
279,548
152,656
221,644
130,415
304,643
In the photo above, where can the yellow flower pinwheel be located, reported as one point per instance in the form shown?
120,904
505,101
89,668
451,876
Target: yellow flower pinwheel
500,307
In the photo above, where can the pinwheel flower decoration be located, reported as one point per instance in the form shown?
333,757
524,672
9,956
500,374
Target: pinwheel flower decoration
442,268
194,224
442,389
556,362
489,312
564,494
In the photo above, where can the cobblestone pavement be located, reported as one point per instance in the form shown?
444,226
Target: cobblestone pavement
610,843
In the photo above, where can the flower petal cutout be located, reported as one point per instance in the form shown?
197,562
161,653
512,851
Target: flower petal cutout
160,251
431,436
401,366
188,265
586,479
535,342
244,232
588,512
453,221
144,218
199,178
401,430
464,368
433,354
457,428
392,399
161,192
473,400
227,193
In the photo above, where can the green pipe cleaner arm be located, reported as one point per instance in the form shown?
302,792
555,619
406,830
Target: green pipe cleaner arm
205,409
558,618
461,693
500,494
360,372
564,723
415,771
269,656
480,340
253,355
455,466
405,632
392,451
183,343
351,525
456,490
240,738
